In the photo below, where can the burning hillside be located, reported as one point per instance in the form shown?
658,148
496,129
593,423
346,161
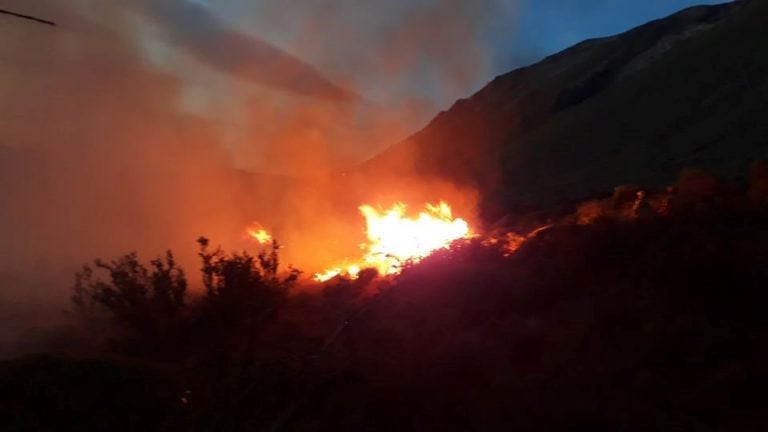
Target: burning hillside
393,238
656,281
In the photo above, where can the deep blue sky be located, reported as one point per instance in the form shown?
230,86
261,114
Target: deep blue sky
548,26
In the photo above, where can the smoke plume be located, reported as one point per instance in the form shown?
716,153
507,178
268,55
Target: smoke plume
138,127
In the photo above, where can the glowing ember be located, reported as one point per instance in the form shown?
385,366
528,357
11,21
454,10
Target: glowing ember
395,239
258,233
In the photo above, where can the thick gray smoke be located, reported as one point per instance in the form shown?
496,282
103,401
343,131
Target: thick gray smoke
128,126
195,28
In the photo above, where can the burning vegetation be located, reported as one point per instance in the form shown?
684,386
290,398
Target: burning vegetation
258,233
630,300
641,310
394,238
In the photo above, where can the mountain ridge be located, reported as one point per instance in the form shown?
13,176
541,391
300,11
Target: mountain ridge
672,91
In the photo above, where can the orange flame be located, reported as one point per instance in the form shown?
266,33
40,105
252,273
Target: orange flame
395,239
258,233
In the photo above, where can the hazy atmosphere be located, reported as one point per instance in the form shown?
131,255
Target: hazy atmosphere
124,126
401,153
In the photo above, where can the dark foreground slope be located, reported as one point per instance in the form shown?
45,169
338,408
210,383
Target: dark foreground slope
608,321
690,90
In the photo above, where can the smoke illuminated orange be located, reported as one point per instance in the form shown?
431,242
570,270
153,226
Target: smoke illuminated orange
395,239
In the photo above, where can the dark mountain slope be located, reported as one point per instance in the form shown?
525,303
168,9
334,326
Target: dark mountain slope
687,90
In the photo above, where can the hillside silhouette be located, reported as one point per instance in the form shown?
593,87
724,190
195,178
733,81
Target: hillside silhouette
688,90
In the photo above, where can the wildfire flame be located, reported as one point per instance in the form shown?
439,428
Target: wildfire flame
258,233
395,239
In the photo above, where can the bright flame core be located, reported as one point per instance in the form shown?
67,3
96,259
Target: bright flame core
258,233
395,239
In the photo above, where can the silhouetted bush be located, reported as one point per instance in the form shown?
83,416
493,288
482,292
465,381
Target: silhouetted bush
150,302
240,288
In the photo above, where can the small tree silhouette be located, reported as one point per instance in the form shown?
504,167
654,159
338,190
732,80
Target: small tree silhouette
241,288
243,294
150,302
